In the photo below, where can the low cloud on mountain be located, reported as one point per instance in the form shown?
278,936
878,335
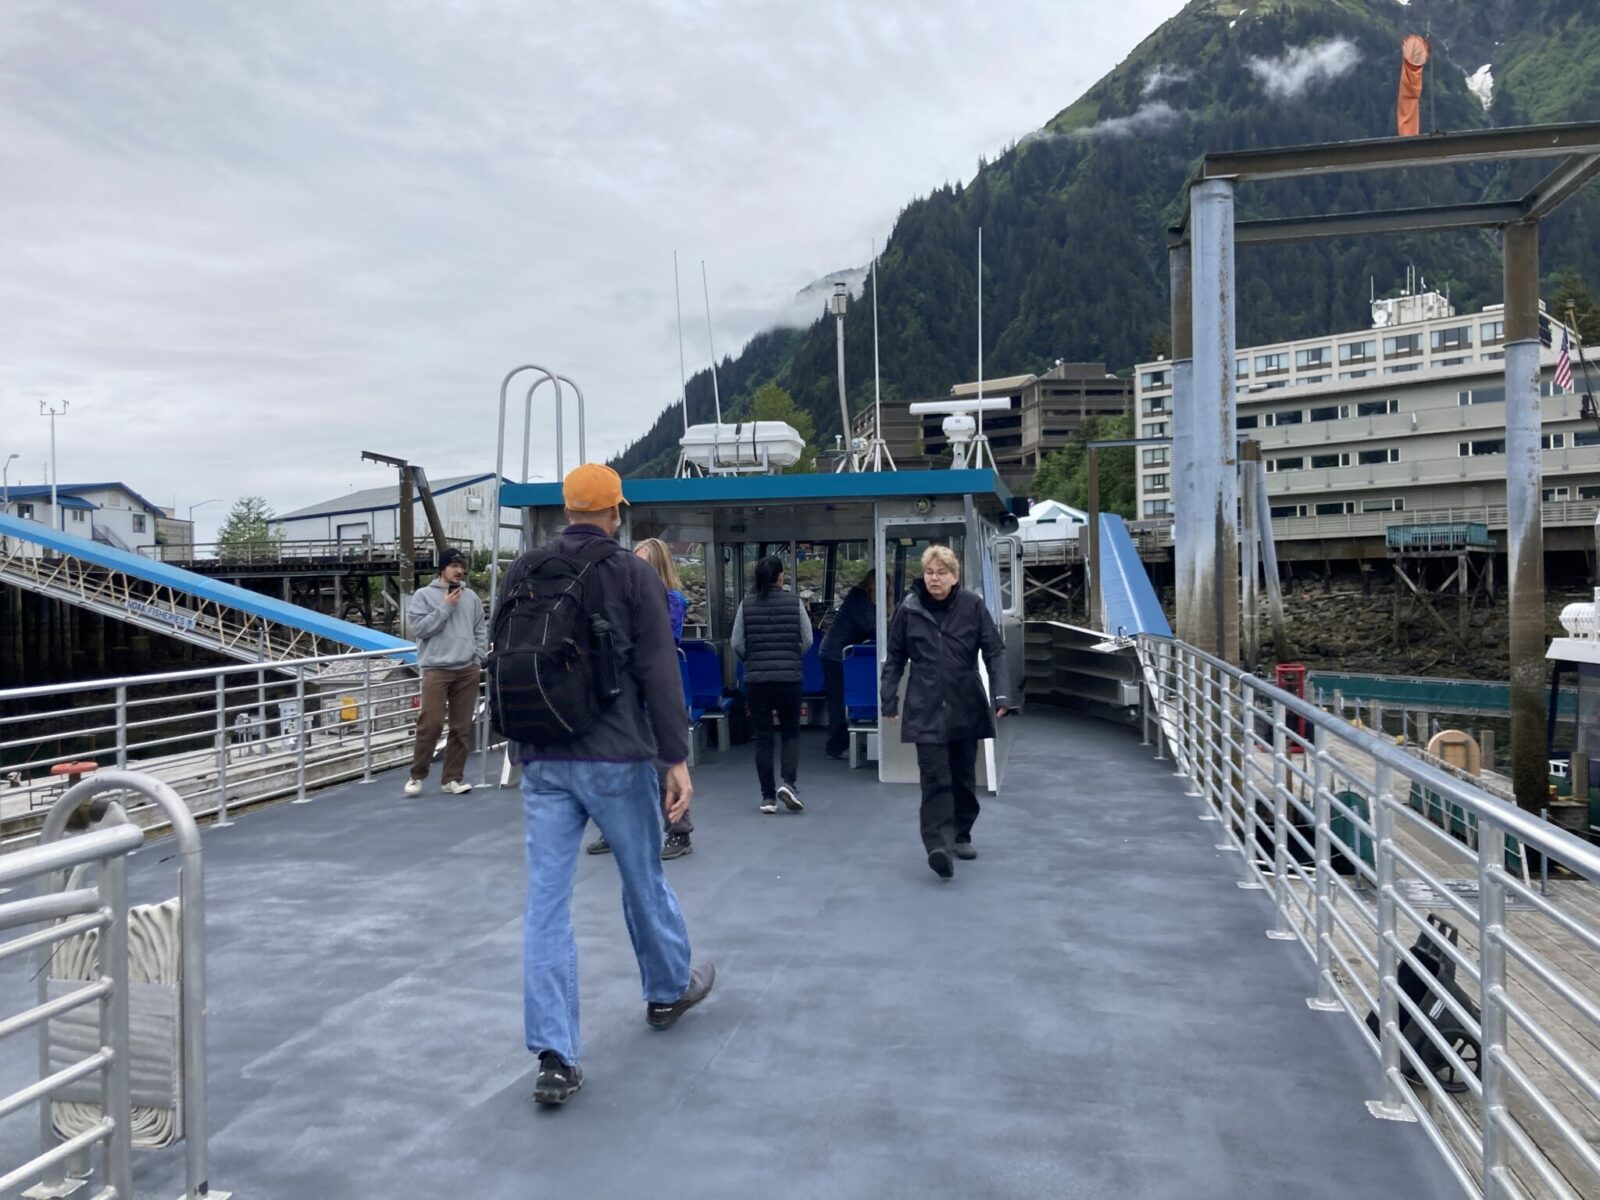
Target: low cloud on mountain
1301,67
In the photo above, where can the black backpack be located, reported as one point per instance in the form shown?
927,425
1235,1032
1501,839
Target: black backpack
553,668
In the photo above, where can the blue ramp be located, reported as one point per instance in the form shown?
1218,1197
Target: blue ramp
167,600
1128,602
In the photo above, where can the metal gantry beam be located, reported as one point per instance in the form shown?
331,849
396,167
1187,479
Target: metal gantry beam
1440,149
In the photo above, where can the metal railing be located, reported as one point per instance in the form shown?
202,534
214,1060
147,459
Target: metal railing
1489,1030
67,912
297,551
218,736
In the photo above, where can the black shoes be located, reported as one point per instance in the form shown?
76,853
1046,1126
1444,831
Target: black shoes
677,846
557,1080
790,797
599,846
964,850
939,860
665,1016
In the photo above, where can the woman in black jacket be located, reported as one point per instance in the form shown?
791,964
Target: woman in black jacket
940,630
771,633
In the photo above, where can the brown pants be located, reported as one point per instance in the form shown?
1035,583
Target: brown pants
456,691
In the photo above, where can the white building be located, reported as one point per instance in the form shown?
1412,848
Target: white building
1406,416
1051,521
372,515
111,513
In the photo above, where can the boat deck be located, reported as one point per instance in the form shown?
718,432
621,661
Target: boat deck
1089,1010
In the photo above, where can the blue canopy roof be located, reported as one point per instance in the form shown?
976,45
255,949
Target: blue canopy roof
778,489
347,633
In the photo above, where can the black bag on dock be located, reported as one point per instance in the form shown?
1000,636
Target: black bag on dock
1425,992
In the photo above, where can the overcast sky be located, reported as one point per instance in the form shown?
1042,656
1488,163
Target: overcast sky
246,240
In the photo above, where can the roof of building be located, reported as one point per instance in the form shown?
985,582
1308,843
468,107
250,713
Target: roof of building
64,490
376,499
995,387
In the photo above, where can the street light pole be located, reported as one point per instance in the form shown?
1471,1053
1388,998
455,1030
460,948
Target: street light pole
52,412
5,484
841,301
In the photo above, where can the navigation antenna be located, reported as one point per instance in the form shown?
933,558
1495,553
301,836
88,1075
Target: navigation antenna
684,467
980,444
877,451
716,393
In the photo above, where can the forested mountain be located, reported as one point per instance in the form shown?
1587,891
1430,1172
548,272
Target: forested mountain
1074,215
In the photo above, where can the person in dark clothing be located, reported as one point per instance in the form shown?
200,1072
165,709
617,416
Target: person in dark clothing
855,622
940,630
655,552
607,775
771,633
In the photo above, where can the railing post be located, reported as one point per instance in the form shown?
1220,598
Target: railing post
1492,964
1392,1106
366,724
222,821
115,1083
122,727
300,796
261,710
1280,930
1242,764
1322,774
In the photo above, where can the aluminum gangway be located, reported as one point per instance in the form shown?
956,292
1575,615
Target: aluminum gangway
219,616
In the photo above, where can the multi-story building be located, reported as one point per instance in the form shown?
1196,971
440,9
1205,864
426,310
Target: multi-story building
1045,411
112,513
1407,416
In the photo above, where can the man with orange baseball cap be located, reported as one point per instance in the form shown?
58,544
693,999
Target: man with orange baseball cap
608,775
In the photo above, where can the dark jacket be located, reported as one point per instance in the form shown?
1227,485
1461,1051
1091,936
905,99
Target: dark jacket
648,720
856,621
772,634
945,701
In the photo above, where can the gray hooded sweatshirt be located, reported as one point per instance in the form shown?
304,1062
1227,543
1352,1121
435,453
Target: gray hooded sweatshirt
448,636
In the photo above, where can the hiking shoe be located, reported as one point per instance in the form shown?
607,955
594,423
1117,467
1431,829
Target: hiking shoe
964,850
769,806
557,1080
599,846
457,788
677,846
664,1016
790,798
939,860
413,787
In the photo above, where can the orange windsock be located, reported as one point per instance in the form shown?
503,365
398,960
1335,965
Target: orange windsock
1408,108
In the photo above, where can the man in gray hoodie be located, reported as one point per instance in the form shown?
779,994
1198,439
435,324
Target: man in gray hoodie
446,621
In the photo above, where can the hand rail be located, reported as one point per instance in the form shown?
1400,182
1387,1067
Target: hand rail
103,907
1300,795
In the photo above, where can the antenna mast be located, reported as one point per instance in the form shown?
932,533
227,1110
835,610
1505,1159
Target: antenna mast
877,449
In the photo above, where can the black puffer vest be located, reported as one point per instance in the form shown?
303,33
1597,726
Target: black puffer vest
772,638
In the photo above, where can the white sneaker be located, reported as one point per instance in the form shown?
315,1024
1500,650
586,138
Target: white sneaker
413,787
457,788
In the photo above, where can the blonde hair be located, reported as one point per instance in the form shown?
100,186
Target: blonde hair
659,557
944,556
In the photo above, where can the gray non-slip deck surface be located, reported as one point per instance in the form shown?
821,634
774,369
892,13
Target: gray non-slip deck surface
1089,1010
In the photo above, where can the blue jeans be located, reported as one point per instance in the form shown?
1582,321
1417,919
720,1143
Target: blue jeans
623,799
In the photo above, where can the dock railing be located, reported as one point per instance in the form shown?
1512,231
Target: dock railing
218,736
65,911
1489,1004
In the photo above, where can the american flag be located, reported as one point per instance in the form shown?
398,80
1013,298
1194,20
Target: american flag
1564,363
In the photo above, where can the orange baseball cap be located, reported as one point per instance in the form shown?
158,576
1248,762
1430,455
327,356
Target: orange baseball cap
592,488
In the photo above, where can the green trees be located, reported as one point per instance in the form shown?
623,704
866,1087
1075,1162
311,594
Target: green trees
772,403
1571,290
247,531
1064,474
